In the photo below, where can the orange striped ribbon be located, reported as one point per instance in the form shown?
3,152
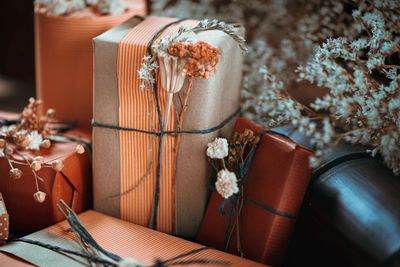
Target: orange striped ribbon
137,111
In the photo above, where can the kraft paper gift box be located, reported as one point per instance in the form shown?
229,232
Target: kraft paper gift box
121,157
64,58
278,177
122,238
73,184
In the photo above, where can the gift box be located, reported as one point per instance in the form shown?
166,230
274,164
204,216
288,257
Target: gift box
4,221
64,58
276,182
125,158
72,183
116,236
351,215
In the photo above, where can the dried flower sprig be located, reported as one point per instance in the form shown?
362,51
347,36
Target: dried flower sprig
65,7
229,159
363,102
31,132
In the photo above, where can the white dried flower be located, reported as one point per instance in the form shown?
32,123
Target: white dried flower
35,139
171,72
226,183
218,149
112,7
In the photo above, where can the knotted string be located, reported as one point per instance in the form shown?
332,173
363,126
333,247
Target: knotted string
162,132
232,200
114,259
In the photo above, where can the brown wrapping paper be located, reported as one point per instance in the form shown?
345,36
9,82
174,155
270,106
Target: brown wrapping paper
211,101
64,58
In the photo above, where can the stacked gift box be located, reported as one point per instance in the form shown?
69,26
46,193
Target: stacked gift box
153,187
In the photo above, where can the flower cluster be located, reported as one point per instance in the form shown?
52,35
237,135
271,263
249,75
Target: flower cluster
201,58
226,157
31,132
65,7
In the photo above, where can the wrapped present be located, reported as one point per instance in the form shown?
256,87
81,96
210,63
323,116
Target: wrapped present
127,132
127,240
64,58
4,221
72,183
351,216
273,192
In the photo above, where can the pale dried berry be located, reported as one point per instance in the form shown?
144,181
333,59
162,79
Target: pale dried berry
57,165
39,158
51,113
2,143
8,151
45,143
39,196
36,166
15,173
80,149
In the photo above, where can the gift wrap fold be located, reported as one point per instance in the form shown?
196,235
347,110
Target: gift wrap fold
123,156
73,184
274,188
64,58
114,235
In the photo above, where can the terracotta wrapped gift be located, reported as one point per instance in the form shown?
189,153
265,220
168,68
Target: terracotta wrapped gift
64,58
122,238
72,183
274,188
125,159
4,221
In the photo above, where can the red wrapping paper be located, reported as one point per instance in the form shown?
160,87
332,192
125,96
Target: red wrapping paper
72,184
278,178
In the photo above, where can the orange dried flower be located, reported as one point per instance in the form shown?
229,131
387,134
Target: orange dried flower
202,58
2,143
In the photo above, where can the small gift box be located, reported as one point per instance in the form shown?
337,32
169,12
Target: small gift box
127,240
64,57
3,221
140,173
273,191
24,190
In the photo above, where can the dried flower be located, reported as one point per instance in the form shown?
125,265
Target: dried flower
171,72
226,183
8,151
45,143
15,173
35,140
80,149
36,165
218,149
57,165
113,7
51,113
39,196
